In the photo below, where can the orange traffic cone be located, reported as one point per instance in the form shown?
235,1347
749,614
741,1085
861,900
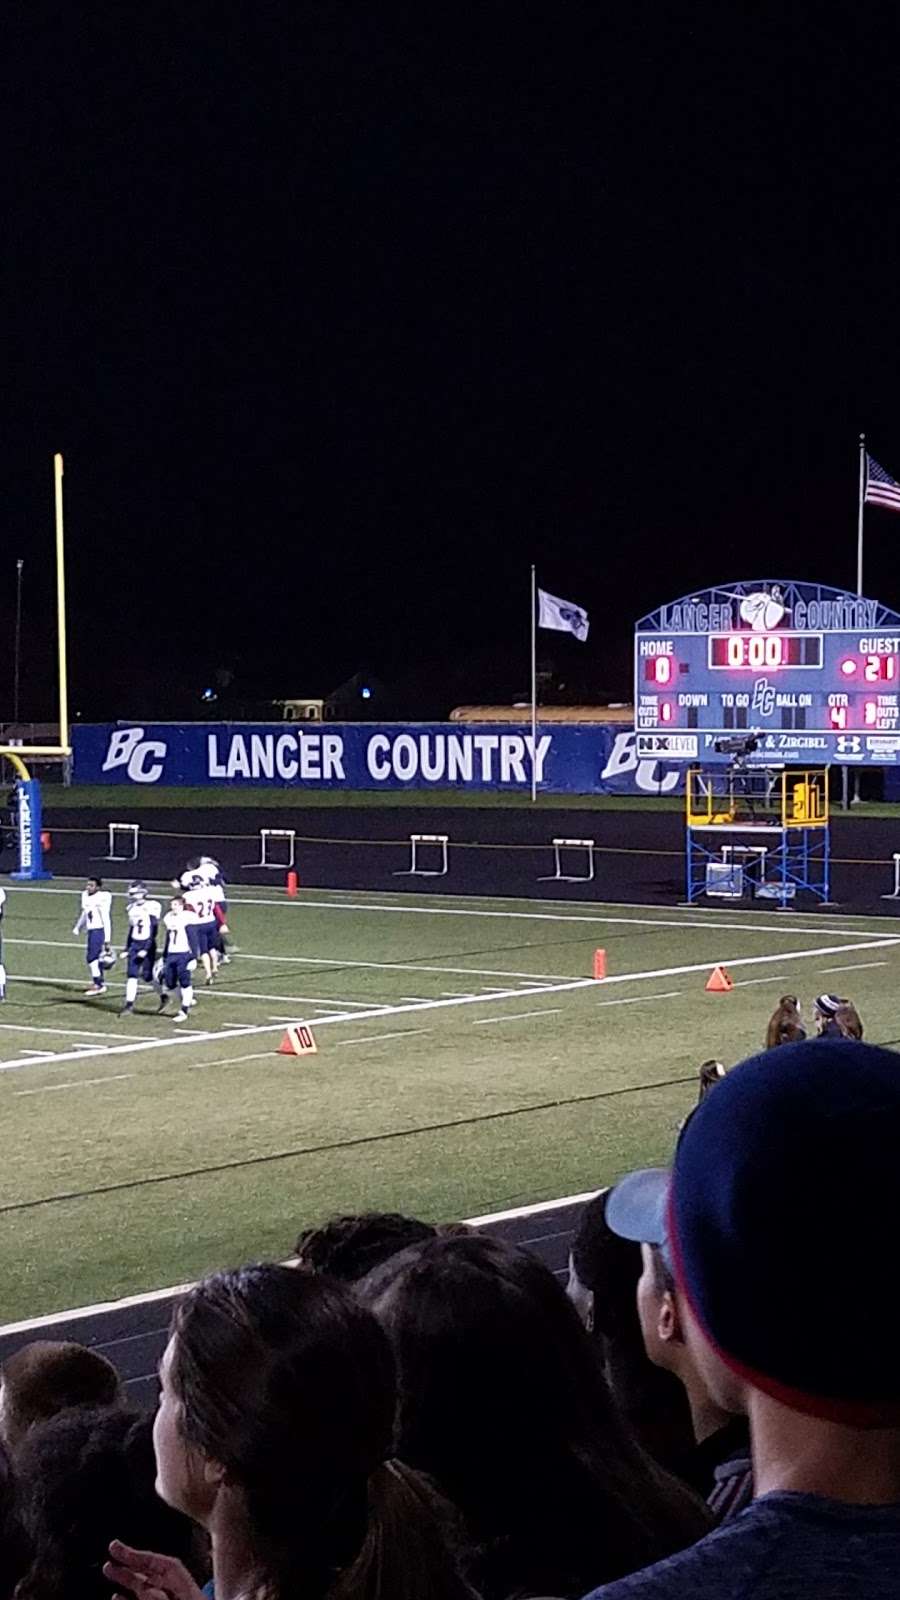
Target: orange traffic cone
298,1041
599,963
292,884
719,981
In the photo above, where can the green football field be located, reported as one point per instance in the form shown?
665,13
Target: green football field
467,1062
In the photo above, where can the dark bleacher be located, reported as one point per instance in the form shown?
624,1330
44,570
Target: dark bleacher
133,1335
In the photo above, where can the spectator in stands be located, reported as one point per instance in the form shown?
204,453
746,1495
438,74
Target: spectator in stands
757,1224
13,1544
719,1466
604,1271
711,1073
274,1432
84,1477
48,1376
504,1404
785,1023
825,1010
348,1247
848,1021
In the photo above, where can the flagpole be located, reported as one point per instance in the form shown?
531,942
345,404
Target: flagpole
859,517
859,590
533,684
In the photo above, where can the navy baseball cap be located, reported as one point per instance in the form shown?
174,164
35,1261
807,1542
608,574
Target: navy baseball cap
779,1219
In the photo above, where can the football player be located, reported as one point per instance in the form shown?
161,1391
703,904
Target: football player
140,946
96,920
2,967
179,957
201,901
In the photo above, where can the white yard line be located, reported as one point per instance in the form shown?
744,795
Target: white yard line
230,1061
376,1038
68,1033
302,999
517,1016
599,917
859,966
748,983
464,1000
77,1083
410,966
642,999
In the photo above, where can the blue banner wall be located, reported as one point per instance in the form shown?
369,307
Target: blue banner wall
570,758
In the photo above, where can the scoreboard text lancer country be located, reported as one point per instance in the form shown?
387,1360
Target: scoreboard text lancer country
806,673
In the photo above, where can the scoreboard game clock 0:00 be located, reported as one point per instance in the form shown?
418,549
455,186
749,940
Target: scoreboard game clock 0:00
812,672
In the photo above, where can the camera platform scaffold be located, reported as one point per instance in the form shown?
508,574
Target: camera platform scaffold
758,831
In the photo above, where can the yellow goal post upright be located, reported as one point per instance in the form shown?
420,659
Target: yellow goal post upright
27,789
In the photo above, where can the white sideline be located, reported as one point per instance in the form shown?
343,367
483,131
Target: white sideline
152,1296
200,1037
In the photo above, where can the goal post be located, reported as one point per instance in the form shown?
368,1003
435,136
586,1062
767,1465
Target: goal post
29,828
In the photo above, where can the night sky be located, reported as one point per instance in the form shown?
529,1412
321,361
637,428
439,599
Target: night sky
343,314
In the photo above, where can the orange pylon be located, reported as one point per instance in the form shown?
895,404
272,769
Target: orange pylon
719,981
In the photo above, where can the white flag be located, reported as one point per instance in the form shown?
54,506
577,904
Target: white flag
562,615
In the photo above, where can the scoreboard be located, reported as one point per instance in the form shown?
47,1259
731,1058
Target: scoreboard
811,674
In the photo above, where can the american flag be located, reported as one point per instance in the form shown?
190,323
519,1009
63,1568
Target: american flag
881,488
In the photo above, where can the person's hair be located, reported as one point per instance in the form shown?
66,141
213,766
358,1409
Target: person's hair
97,881
305,1436
784,1026
607,1265
86,1477
710,1073
47,1376
503,1401
13,1543
347,1247
652,1401
663,1276
848,1020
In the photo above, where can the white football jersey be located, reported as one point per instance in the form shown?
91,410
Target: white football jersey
96,912
201,902
205,873
176,924
143,917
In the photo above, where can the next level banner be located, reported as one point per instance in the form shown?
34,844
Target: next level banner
569,758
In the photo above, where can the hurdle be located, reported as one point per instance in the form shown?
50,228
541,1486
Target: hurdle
430,841
895,895
558,876
126,833
267,836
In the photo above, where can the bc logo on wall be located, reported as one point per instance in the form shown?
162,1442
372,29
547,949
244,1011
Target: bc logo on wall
568,758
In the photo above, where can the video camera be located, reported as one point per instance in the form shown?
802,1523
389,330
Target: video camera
737,744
